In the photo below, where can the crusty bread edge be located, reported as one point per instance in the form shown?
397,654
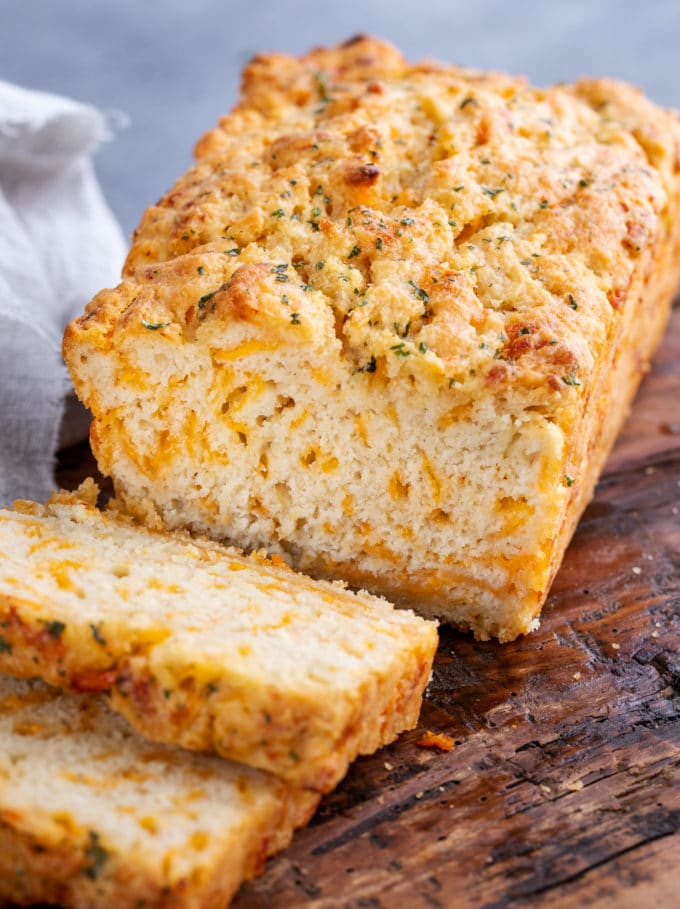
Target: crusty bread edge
289,737
194,719
34,867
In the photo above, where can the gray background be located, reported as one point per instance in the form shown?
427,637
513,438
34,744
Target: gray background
172,65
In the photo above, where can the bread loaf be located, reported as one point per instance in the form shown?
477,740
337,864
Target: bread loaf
390,324
92,815
203,647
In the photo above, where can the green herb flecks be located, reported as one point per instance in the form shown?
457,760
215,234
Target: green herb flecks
5,646
371,366
154,326
96,857
422,295
55,629
280,272
322,85
572,302
206,299
570,379
354,251
97,635
295,318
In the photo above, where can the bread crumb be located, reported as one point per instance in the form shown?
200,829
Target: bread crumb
636,569
574,785
576,676
650,470
388,766
438,740
615,647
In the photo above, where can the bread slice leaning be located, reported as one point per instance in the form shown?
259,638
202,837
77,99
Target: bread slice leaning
93,815
203,647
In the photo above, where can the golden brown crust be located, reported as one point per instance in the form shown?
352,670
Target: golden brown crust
505,246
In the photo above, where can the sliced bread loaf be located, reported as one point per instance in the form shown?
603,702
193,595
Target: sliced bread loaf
390,324
204,647
92,815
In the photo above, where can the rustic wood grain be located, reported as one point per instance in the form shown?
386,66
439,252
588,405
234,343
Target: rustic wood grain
563,789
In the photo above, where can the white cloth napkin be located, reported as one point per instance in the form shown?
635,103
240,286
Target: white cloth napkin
59,244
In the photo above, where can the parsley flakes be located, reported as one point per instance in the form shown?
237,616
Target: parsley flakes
422,295
55,629
96,857
154,326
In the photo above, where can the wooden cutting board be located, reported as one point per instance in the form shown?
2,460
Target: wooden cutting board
563,789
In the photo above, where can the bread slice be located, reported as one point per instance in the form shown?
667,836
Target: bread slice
390,323
92,815
205,648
